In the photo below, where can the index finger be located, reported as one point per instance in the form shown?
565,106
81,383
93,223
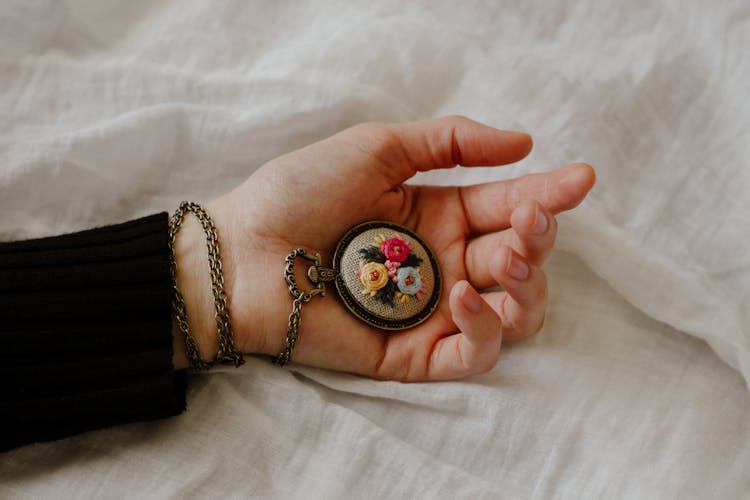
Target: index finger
488,206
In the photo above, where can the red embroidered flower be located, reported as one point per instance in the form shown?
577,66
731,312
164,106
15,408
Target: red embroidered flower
395,249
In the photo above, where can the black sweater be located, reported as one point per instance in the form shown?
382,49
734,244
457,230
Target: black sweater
86,332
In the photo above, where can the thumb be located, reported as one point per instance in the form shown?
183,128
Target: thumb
402,150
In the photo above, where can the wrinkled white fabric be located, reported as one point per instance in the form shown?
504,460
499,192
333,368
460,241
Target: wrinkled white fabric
112,110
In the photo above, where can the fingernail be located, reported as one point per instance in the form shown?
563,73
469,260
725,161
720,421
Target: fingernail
472,301
518,269
541,223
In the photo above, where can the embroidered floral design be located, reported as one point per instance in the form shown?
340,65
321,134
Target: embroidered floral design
408,280
409,284
395,249
389,271
392,269
373,277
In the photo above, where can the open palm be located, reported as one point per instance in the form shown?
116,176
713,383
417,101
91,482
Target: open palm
495,234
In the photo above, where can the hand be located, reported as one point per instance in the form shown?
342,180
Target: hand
497,233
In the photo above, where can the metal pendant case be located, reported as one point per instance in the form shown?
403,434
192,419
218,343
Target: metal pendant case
386,275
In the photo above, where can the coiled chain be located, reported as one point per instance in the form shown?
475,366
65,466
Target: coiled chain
227,353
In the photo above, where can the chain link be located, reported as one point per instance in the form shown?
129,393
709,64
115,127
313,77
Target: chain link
300,298
227,353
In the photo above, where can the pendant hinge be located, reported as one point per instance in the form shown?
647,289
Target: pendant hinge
319,274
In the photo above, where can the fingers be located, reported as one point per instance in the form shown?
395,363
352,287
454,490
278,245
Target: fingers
522,305
488,207
477,347
532,235
404,149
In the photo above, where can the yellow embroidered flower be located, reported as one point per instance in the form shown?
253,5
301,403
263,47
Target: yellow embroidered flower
373,276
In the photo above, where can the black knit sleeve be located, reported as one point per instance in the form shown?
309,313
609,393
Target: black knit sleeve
85,332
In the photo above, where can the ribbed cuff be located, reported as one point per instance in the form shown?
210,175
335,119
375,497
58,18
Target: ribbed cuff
86,332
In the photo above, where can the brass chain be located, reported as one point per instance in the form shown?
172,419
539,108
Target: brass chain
318,275
227,353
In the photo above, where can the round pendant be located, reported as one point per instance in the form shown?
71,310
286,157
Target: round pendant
386,275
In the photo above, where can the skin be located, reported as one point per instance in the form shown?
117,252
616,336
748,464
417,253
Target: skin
484,235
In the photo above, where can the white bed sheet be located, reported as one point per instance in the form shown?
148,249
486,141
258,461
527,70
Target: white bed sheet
114,110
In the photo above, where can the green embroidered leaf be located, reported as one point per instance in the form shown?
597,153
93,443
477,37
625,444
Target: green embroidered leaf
372,254
387,294
411,261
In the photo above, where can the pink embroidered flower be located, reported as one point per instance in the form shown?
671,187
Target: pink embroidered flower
392,268
395,249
